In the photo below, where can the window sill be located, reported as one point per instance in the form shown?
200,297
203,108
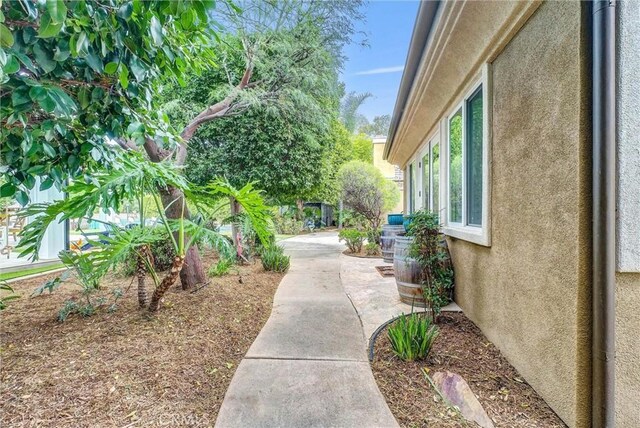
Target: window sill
475,235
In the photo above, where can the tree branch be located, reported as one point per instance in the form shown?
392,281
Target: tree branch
212,112
155,153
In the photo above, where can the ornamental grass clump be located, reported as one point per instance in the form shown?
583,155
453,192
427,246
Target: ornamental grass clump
412,336
429,248
274,259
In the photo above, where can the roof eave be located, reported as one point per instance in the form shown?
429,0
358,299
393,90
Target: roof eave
425,18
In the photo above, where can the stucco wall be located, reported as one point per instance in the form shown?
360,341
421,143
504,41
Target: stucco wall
388,170
628,225
529,292
627,350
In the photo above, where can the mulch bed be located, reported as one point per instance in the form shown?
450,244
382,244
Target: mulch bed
461,348
128,368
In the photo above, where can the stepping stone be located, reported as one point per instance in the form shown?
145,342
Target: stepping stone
456,390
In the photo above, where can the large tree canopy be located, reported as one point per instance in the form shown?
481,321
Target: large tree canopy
280,130
379,126
78,75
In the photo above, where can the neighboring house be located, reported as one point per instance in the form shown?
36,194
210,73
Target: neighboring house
519,123
388,170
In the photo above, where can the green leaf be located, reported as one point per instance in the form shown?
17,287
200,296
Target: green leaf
94,62
22,197
48,28
26,61
83,97
124,76
156,31
37,93
46,184
82,45
111,68
49,150
30,8
20,96
12,65
125,11
65,105
48,104
44,58
57,10
186,19
6,38
62,51
7,190
138,68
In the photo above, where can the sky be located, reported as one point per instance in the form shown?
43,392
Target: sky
378,67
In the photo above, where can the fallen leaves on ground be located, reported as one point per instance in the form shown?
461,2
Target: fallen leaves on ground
129,367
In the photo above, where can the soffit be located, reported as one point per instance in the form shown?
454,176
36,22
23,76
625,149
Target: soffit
467,35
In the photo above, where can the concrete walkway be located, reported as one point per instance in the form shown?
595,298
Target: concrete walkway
308,366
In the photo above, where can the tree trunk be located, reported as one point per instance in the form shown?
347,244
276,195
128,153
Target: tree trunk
192,272
236,235
300,206
166,283
141,272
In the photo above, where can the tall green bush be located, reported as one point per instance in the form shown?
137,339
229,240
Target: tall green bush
367,192
429,249
353,238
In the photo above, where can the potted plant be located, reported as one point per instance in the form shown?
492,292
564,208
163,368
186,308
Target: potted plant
395,219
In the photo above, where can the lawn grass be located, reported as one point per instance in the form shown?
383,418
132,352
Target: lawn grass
31,271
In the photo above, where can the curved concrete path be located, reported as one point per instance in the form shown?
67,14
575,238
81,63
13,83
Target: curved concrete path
308,366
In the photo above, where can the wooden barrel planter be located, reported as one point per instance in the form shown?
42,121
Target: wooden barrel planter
408,273
389,234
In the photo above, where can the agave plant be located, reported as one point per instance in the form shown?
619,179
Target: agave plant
132,179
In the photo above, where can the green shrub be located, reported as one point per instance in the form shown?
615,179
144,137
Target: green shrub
412,336
221,268
274,259
430,251
287,225
371,249
353,238
373,235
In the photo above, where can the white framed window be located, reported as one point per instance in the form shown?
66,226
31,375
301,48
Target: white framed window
429,166
412,194
466,131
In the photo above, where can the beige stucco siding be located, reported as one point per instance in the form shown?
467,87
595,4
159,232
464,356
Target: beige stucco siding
388,170
628,213
529,292
627,350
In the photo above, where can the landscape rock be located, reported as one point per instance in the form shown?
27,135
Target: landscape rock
456,390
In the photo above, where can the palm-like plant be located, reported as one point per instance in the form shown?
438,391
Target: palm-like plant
132,179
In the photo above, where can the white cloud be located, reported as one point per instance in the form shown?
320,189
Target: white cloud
383,70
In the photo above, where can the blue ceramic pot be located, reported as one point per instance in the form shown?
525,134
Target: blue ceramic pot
407,221
394,219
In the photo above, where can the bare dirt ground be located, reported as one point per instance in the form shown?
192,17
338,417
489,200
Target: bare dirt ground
128,368
461,348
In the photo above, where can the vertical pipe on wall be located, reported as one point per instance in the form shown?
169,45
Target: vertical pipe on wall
604,190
